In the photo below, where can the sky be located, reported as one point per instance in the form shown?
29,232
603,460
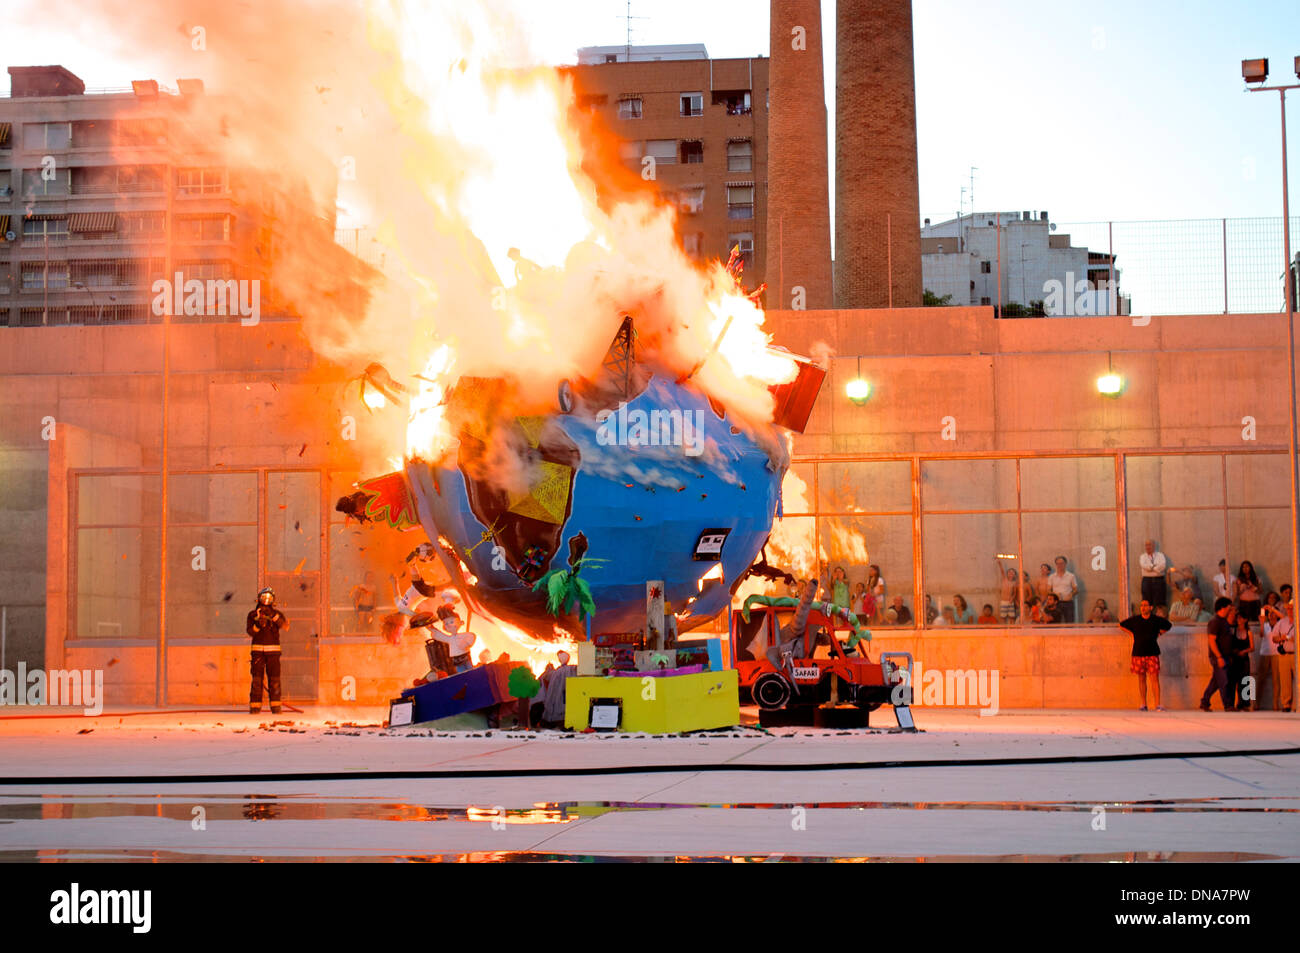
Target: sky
1107,110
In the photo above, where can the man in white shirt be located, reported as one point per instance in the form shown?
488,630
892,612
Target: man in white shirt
1277,655
1066,587
1154,566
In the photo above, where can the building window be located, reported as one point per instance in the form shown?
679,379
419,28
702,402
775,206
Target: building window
986,301
592,100
692,152
691,201
611,57
6,181
203,228
740,156
986,268
630,152
629,109
737,102
37,184
693,244
740,201
206,270
745,240
140,224
38,275
46,135
692,104
38,229
200,181
664,151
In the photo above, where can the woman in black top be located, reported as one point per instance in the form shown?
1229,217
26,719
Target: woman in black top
1243,643
1249,592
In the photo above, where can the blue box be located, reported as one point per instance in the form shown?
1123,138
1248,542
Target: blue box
480,687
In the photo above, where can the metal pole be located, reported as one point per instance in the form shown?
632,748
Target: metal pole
1290,341
1225,266
1110,268
999,227
160,675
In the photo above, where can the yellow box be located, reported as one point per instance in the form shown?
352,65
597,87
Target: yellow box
671,704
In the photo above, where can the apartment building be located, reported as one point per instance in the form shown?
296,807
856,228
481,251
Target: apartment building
104,191
697,128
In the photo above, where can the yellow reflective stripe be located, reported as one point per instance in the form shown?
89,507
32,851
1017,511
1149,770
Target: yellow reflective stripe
266,648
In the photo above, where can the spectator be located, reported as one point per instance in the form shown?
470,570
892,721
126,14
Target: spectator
1272,599
962,613
1277,657
1052,609
1243,644
902,614
1184,578
931,613
363,602
1184,610
1284,592
1225,583
1146,628
876,585
1249,592
1219,637
1043,584
1153,565
1101,613
1008,594
946,617
1034,610
987,617
1162,612
840,587
1065,587
858,602
1202,614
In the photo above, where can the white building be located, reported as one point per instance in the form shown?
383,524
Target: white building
960,257
596,55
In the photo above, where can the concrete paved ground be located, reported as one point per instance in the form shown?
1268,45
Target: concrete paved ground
1240,807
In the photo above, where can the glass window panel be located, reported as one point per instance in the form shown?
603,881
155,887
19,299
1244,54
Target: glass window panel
797,489
117,583
212,498
213,599
293,522
792,547
1258,479
960,556
1192,541
968,484
1088,541
1264,538
857,543
864,486
1175,480
118,499
1067,483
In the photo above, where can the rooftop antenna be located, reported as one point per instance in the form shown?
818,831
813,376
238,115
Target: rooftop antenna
629,18
973,170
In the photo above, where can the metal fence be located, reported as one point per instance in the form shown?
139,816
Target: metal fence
1194,266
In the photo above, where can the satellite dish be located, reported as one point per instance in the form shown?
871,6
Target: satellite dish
1052,226
10,235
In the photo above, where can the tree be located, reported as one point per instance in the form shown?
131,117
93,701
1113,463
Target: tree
931,300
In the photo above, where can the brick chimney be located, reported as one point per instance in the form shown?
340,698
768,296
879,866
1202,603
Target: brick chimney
798,201
877,195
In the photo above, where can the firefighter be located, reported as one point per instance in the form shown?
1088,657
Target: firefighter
265,623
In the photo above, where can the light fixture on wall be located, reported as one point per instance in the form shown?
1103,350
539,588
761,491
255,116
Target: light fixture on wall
858,389
1110,384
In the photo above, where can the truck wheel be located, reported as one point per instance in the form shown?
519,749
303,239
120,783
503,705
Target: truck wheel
771,692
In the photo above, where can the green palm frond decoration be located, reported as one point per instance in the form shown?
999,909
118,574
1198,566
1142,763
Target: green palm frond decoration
565,588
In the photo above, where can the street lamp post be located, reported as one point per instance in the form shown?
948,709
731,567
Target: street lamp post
1256,71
